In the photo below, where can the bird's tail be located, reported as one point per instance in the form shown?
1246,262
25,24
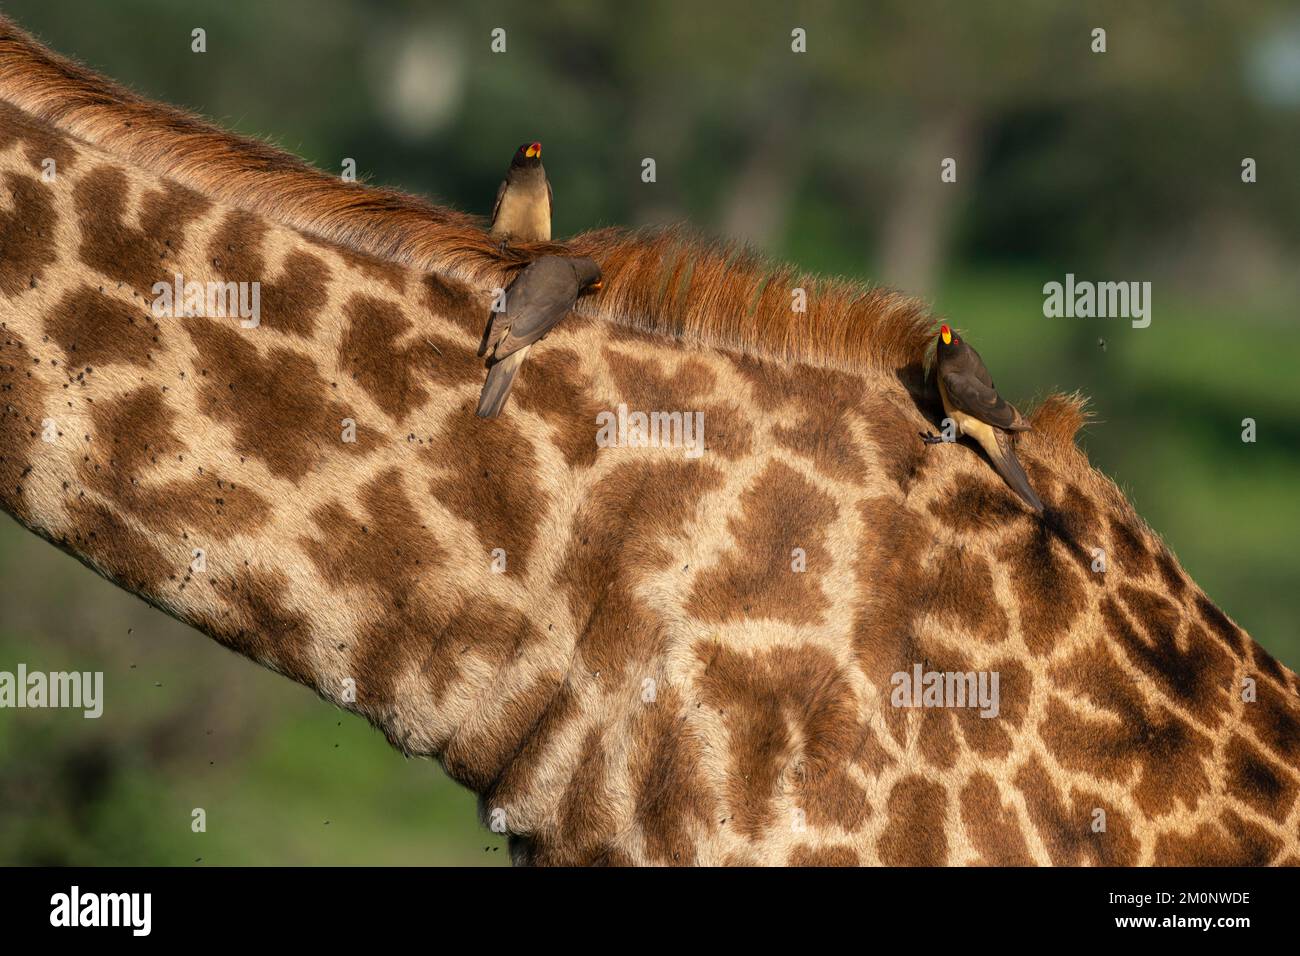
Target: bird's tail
500,378
1008,466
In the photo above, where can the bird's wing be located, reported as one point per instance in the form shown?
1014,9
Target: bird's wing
496,203
535,303
975,365
527,328
968,394
550,202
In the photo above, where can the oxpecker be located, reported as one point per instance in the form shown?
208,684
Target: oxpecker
973,403
522,210
535,303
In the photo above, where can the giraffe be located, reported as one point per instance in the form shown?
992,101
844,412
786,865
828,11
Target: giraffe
631,654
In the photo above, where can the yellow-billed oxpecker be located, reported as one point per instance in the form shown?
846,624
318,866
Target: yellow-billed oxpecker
973,403
535,303
522,210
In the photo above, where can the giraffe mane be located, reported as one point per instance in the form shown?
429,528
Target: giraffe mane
666,281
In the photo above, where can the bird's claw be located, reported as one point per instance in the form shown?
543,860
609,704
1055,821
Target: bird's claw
930,438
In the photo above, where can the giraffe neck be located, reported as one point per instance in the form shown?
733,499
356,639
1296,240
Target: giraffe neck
292,467
632,653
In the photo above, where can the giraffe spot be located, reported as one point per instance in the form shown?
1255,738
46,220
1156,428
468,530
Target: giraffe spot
519,776
586,819
755,579
957,588
833,855
974,504
992,826
1276,721
94,329
140,255
1199,676
41,141
26,234
1048,592
1218,622
1157,614
671,794
871,756
620,534
487,740
1229,841
454,303
559,391
1171,575
939,732
1065,822
254,621
1073,522
823,400
895,431
278,406
918,816
490,480
791,718
646,384
381,270
936,735
1126,545
904,606
415,634
136,429
727,430
995,736
22,404
290,303
1266,663
389,550
124,555
832,798
1254,779
1168,754
394,374
887,570
393,560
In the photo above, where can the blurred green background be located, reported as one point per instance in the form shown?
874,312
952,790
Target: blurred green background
1124,165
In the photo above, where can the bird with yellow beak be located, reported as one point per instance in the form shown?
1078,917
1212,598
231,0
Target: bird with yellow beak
974,405
522,210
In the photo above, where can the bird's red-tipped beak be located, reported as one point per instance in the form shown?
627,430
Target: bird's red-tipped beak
535,149
945,333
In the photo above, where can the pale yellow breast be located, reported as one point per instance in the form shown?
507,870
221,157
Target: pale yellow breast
525,213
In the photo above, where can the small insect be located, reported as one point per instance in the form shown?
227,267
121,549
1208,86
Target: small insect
1101,343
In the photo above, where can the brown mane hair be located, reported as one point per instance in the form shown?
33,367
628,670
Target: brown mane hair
663,281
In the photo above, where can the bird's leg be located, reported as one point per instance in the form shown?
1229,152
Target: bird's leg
930,438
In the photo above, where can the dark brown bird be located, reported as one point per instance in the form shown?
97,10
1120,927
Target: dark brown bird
973,403
522,210
535,303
